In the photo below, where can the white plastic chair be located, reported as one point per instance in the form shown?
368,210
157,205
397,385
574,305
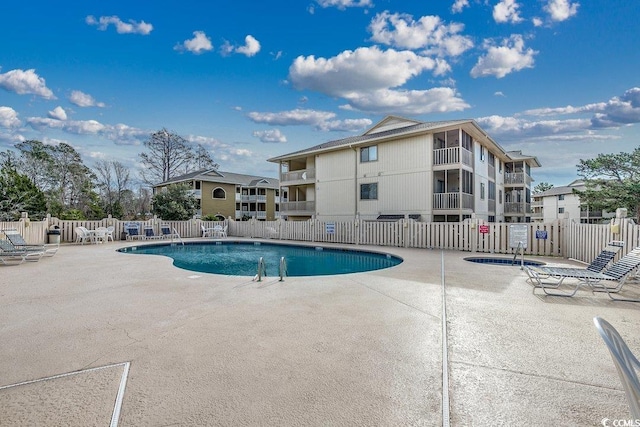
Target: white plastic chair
109,234
626,363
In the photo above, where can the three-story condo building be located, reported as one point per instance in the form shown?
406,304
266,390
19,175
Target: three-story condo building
231,195
431,171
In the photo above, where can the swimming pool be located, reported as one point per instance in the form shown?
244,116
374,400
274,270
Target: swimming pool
241,258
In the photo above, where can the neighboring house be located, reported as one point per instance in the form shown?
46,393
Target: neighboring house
561,203
227,194
431,171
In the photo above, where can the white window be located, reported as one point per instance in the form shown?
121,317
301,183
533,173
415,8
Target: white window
369,191
369,154
219,193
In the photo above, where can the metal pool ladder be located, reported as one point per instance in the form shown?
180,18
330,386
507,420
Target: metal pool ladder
262,270
283,268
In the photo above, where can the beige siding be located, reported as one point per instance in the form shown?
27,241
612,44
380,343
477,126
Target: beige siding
400,193
211,206
335,187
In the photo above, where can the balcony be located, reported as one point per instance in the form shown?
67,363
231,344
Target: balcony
451,156
195,193
449,201
517,208
516,178
591,214
302,176
298,208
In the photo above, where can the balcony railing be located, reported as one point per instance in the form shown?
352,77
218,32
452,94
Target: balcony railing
591,214
299,175
516,178
451,155
291,208
447,201
196,193
517,208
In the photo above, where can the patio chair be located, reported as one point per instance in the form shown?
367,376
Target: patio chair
10,255
166,233
626,363
149,233
207,232
82,235
109,234
220,231
554,276
133,233
616,274
18,241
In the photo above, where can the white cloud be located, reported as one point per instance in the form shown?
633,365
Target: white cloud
514,129
9,117
343,4
506,11
499,93
368,79
291,117
502,60
429,33
82,99
347,125
250,48
273,135
120,134
616,112
25,82
561,10
58,113
537,22
459,5
321,120
131,27
198,44
365,69
383,101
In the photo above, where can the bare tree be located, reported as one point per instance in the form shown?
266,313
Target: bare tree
168,155
113,181
203,159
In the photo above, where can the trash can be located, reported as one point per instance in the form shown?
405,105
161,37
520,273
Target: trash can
54,235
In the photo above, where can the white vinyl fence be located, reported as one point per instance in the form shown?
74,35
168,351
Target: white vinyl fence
561,238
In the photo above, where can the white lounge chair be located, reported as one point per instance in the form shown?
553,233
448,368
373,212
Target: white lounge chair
133,233
166,232
627,364
149,233
615,275
18,241
554,276
9,255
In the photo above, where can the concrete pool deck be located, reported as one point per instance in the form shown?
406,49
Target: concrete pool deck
359,349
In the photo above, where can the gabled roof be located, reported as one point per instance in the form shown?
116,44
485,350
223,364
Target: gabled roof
565,189
212,175
389,127
518,156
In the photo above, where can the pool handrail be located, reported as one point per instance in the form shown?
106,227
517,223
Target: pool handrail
283,268
262,270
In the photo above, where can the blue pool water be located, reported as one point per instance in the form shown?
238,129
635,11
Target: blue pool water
241,259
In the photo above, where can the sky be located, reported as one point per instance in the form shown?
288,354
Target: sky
250,80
